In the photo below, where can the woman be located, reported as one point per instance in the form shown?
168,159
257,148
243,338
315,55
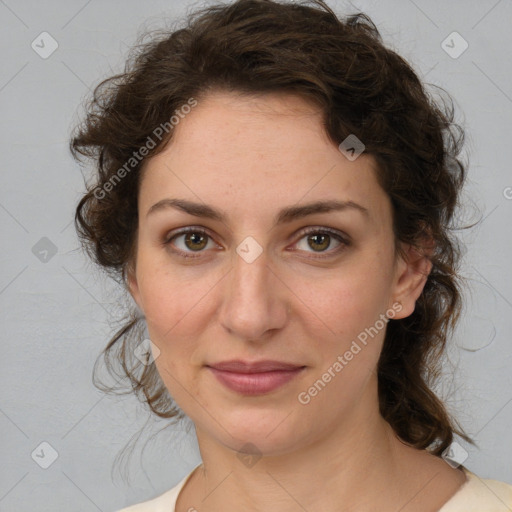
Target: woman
275,189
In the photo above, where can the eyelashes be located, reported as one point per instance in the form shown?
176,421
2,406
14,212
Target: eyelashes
201,238
188,232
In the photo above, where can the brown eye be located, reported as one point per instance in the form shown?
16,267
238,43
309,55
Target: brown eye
319,241
187,241
195,241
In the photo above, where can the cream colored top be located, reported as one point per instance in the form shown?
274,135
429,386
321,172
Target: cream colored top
475,495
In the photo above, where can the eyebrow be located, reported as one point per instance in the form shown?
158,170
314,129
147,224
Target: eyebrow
285,215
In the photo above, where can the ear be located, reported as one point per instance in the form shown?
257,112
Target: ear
133,285
412,271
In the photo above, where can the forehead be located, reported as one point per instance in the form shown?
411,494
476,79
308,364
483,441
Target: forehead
232,127
257,152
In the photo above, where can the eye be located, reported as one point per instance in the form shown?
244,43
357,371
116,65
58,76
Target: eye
187,241
190,240
320,239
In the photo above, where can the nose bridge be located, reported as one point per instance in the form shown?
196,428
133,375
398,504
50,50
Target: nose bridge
250,276
252,303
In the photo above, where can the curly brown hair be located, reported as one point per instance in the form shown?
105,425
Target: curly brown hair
362,88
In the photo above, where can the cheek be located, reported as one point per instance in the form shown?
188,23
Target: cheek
178,305
173,319
348,358
347,300
342,314
169,292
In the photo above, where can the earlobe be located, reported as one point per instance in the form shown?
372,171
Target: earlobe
413,270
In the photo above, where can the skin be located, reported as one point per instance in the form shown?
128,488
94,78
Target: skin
249,157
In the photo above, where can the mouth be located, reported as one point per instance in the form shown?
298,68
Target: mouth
254,378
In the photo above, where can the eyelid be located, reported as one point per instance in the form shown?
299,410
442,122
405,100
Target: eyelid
183,231
341,237
324,229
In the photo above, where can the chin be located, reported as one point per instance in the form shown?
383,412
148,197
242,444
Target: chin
262,432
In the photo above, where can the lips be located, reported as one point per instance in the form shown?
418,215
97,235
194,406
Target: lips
240,366
254,378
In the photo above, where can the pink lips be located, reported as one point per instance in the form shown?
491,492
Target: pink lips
254,378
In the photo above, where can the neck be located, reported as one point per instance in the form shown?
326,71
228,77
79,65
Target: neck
357,462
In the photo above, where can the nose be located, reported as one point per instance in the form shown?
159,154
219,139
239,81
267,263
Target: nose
255,300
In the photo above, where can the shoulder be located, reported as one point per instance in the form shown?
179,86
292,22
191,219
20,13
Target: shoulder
480,495
165,502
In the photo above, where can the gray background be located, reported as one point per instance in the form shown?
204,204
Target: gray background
57,311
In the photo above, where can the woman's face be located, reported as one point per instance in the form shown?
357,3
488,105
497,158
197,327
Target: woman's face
263,277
